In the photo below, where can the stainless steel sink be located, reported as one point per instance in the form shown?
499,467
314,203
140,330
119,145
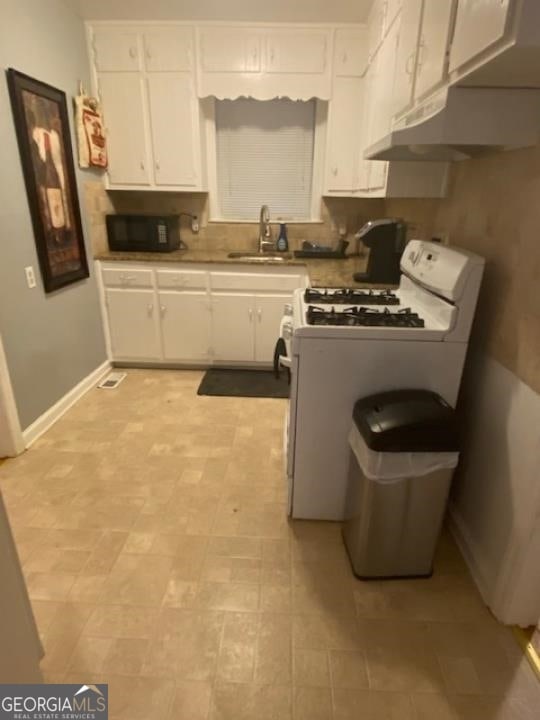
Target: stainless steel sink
259,257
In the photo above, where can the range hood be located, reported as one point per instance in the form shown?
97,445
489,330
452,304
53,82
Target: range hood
459,123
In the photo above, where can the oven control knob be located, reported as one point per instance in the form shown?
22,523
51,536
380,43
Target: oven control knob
288,309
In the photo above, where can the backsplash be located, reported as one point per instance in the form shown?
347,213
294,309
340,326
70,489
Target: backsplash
222,235
492,209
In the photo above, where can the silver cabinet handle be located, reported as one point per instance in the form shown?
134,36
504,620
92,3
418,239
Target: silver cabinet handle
345,58
162,309
250,313
259,314
157,165
334,171
150,308
141,164
132,52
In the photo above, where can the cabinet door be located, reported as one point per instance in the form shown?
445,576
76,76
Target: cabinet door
133,324
296,51
174,125
168,49
233,319
122,96
433,46
230,50
391,10
375,26
350,52
116,49
478,25
269,312
381,87
185,325
409,33
344,120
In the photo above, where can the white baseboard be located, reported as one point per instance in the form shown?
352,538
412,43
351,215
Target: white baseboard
54,413
470,551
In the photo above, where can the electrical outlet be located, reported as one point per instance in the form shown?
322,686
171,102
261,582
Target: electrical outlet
194,224
30,276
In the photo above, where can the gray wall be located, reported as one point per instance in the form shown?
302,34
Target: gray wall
51,341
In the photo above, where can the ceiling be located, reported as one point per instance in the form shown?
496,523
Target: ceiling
325,11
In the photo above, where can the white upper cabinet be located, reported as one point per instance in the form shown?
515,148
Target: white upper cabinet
435,34
123,101
264,62
391,11
150,107
350,52
345,116
174,123
168,49
117,49
407,52
226,49
375,26
478,26
297,51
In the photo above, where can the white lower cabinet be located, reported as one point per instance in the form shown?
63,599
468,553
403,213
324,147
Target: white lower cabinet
191,315
268,315
133,324
232,327
185,326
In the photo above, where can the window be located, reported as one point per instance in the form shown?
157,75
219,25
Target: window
264,153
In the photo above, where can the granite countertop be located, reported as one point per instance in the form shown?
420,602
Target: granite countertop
321,271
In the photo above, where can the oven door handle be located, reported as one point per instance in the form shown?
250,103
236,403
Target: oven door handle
281,359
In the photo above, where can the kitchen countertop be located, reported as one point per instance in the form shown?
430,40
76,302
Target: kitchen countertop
322,272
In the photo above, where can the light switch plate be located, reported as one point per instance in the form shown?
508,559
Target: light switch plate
30,276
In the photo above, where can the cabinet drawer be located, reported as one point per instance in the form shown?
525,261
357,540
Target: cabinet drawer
179,279
253,282
127,277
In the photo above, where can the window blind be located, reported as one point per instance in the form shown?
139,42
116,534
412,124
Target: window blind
265,157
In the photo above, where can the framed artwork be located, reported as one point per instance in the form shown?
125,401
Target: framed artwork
42,126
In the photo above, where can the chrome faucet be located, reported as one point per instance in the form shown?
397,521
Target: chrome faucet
265,231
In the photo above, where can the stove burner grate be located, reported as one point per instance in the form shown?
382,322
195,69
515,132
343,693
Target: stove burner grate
363,317
350,296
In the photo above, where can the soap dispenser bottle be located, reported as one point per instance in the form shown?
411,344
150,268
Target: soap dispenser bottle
282,241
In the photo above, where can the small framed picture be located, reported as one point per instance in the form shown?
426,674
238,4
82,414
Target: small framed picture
42,127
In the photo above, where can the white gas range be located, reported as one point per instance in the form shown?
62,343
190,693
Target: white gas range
350,343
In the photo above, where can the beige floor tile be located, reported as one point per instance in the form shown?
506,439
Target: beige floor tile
140,698
312,703
226,569
117,621
248,701
235,547
125,656
87,588
348,669
70,617
227,596
276,598
460,675
274,650
433,707
89,654
404,671
366,705
49,586
185,645
137,580
236,661
191,701
311,668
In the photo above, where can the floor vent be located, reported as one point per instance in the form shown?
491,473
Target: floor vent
112,381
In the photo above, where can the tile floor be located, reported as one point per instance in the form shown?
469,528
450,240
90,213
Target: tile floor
152,527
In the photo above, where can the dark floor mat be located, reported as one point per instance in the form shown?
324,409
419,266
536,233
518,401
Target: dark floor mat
244,383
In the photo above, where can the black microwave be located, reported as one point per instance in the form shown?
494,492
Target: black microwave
143,233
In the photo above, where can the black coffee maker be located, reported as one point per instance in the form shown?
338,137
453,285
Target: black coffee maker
386,241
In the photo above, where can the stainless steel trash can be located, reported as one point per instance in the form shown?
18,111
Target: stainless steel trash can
404,448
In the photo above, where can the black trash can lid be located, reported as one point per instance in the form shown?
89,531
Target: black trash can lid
407,421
